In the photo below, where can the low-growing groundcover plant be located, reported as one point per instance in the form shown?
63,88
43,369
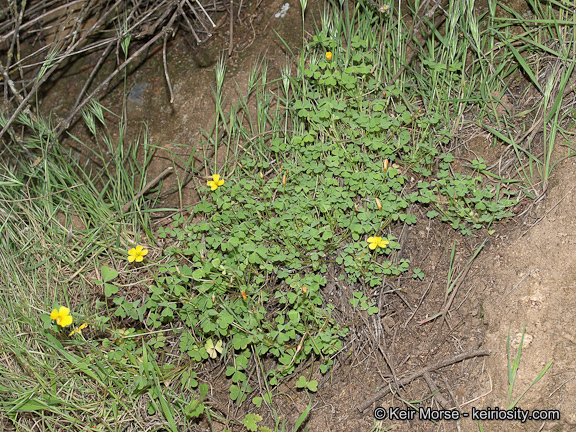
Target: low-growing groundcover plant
242,275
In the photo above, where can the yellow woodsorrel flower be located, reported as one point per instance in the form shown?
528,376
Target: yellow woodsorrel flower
137,254
374,242
329,56
78,330
215,182
61,316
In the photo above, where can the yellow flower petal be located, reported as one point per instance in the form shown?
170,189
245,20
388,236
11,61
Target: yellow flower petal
374,242
65,321
78,330
215,182
137,254
61,316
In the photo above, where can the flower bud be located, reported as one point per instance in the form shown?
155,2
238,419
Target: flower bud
379,204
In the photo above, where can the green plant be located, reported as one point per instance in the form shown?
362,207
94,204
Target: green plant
249,270
321,169
513,366
528,51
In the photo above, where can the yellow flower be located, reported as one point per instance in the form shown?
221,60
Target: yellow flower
215,182
78,330
374,242
137,254
61,316
329,56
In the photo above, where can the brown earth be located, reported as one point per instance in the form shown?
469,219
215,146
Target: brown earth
530,282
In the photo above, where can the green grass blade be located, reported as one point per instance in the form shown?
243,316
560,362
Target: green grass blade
523,64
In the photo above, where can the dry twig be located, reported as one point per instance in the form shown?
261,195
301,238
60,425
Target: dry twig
421,372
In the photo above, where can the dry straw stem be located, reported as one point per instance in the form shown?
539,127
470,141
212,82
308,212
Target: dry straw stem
40,80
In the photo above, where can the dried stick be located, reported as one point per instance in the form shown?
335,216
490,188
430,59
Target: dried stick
198,16
434,389
207,16
147,188
41,17
181,9
166,69
65,124
94,72
421,372
231,43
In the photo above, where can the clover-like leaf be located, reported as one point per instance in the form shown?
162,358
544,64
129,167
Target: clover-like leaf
212,349
312,386
108,274
301,383
110,289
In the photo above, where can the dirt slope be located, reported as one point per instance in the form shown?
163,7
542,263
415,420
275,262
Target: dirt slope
532,281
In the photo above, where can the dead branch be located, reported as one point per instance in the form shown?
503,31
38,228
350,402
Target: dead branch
421,372
149,186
